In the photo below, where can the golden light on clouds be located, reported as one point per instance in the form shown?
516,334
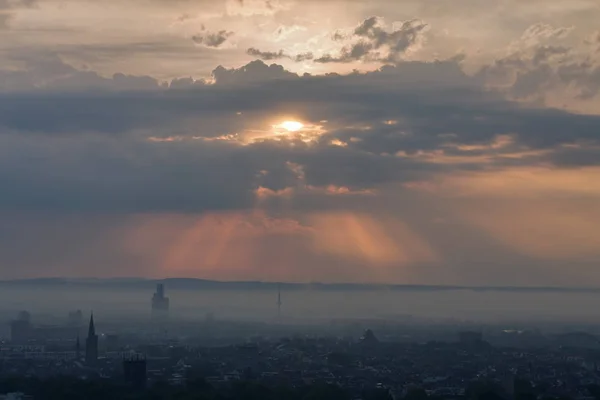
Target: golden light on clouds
525,182
287,129
542,229
291,126
252,244
544,213
362,237
213,245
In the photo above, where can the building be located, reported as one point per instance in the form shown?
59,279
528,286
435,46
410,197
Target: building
91,343
135,371
160,303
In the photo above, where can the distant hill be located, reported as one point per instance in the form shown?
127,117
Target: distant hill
195,283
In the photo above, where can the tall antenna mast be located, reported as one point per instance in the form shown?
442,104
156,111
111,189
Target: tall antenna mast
279,300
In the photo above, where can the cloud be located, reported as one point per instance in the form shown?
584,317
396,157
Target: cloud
266,55
212,39
47,71
135,149
372,38
376,133
545,68
271,55
255,71
392,155
8,8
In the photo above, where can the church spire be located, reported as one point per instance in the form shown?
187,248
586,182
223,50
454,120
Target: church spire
91,343
92,328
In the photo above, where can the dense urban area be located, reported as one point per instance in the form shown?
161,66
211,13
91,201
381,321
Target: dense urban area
162,357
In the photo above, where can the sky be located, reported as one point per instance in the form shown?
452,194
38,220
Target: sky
451,142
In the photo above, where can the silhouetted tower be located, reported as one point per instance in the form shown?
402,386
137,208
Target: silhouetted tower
134,371
279,301
91,343
78,348
160,303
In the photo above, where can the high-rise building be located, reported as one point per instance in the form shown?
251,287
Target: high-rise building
91,343
160,303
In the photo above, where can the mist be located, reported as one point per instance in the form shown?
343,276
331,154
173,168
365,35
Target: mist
301,303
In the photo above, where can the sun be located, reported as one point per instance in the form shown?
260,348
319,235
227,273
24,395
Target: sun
292,126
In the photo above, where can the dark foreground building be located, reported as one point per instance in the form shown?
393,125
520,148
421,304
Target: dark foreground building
135,371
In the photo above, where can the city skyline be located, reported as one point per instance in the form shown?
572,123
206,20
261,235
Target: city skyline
397,143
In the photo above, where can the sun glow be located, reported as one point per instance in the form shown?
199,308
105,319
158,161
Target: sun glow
291,126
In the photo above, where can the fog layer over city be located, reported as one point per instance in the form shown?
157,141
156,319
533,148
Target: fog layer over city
304,303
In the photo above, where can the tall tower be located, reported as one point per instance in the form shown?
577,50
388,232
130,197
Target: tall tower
91,343
279,300
160,303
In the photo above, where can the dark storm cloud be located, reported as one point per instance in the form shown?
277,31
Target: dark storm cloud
49,72
124,175
577,156
164,150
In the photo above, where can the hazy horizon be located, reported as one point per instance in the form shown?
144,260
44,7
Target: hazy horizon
325,284
231,304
